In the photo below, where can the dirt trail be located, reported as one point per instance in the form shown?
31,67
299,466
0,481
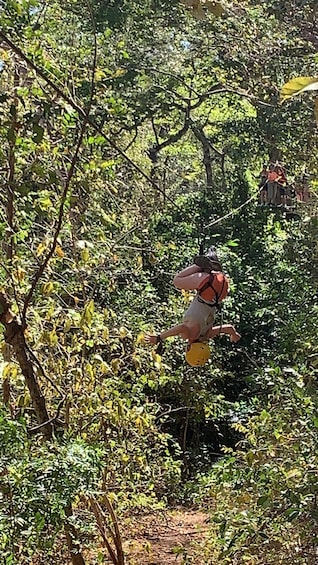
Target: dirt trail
165,538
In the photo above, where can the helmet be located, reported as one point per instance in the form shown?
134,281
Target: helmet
198,354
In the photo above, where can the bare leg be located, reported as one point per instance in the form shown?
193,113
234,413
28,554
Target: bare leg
190,278
225,329
183,330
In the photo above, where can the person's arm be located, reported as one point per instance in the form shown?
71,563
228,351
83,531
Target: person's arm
190,278
226,329
180,329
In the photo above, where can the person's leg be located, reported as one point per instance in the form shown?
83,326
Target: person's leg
224,329
275,189
180,329
263,196
190,278
283,196
270,193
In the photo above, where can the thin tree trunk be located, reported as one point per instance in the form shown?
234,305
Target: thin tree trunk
207,159
10,188
71,537
6,390
15,337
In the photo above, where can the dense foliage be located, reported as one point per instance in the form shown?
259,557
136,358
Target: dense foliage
131,133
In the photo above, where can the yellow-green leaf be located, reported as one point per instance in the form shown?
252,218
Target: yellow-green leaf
85,254
20,274
67,325
115,364
297,86
59,251
105,334
47,288
293,473
140,338
42,247
88,312
10,370
123,332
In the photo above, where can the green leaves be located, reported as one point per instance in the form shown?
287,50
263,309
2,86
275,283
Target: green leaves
87,315
38,132
272,473
42,481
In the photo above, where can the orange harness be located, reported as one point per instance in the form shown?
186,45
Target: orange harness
215,289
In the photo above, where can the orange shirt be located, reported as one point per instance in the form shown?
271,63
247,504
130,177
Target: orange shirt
272,176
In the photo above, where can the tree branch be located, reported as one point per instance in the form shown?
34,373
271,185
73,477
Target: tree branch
81,112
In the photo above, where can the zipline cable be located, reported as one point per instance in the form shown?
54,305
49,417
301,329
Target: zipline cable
234,211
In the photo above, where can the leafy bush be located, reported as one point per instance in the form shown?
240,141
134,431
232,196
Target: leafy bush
263,496
38,483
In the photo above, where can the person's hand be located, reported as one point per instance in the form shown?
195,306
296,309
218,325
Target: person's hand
235,337
149,338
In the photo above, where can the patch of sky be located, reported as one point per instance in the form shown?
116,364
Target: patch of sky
185,44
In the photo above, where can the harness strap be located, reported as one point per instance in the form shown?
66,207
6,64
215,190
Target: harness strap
209,284
211,304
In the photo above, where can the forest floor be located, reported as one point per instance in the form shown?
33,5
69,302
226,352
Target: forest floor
165,538
162,537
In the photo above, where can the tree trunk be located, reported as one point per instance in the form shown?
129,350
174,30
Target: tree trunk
15,337
6,354
207,159
8,243
71,536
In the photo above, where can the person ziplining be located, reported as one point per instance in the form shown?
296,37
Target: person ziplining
205,276
273,185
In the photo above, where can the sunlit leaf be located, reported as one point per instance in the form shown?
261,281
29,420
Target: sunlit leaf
10,370
105,334
140,338
85,254
80,244
20,274
123,332
47,288
293,473
67,325
88,312
297,86
99,74
59,251
53,338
